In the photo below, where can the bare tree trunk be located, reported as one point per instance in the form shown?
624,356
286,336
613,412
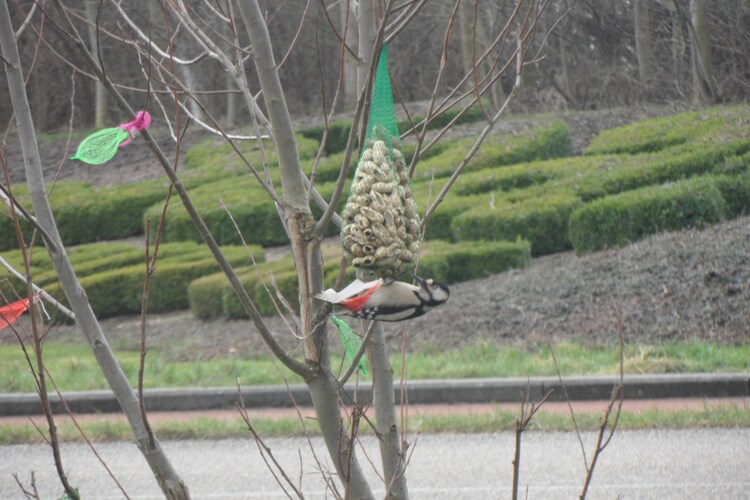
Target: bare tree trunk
394,463
643,47
170,483
306,250
100,100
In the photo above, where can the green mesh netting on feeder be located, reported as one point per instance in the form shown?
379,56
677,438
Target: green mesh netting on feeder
380,233
351,343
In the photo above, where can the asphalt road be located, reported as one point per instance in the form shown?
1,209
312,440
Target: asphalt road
652,464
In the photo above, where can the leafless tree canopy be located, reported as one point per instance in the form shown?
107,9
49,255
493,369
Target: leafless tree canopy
594,58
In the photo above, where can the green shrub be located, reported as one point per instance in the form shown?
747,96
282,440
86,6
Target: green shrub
472,114
647,135
511,177
735,190
259,283
119,291
112,274
214,158
439,225
542,220
252,209
542,143
205,295
656,134
465,261
250,206
338,135
442,260
338,131
674,164
86,260
620,219
456,262
85,213
265,294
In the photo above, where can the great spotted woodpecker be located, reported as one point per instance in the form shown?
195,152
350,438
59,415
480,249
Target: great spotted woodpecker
390,300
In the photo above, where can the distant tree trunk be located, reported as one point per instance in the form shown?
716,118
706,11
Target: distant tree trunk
232,101
190,81
365,38
350,87
703,70
643,46
100,101
678,47
474,36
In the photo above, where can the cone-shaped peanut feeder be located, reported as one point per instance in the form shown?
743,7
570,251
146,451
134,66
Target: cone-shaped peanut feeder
380,233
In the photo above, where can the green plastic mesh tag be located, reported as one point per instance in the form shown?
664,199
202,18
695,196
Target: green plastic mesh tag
351,343
382,124
101,146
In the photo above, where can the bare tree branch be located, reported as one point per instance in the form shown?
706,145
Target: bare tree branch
166,476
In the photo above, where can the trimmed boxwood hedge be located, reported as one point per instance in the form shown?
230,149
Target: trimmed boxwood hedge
511,177
656,134
623,218
86,213
214,158
250,206
671,165
542,220
112,274
445,261
452,263
735,189
551,141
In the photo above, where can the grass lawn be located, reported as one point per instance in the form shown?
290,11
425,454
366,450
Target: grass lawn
73,367
113,428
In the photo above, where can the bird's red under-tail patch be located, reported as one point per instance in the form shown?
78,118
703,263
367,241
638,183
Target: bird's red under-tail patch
355,304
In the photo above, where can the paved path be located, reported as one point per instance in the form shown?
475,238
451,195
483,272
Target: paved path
652,464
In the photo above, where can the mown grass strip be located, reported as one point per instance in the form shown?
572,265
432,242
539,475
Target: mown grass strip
498,420
74,368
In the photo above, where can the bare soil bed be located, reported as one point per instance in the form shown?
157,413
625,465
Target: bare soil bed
693,284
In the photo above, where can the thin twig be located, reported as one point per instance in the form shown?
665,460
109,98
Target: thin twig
84,436
265,451
604,436
528,410
39,291
38,370
26,21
